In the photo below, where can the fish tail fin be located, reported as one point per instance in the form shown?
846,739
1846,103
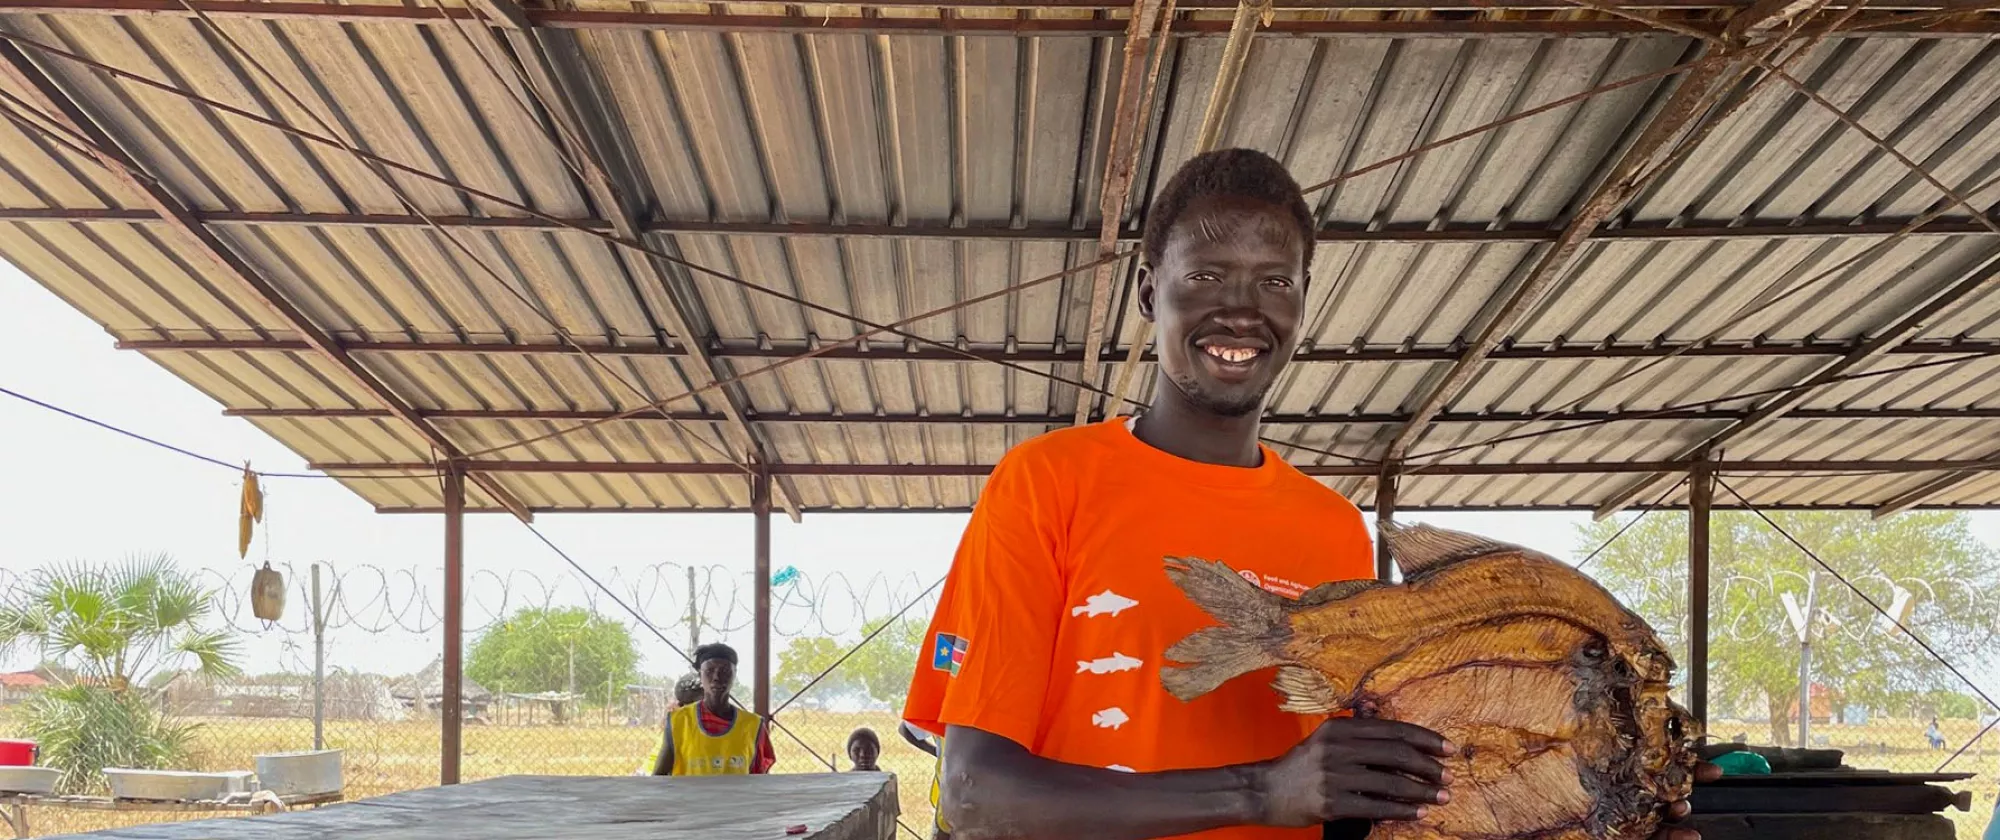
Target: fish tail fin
1254,628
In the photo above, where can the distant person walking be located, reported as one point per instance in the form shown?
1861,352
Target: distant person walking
1934,736
714,737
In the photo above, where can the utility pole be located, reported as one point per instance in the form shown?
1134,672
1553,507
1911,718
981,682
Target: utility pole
319,665
694,616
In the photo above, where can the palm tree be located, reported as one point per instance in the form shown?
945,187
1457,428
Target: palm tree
118,624
115,626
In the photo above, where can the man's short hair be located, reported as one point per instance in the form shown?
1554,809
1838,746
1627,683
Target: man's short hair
1242,173
714,650
864,734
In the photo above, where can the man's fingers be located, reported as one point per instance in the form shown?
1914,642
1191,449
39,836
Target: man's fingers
1391,786
1390,730
1395,756
1368,808
1679,810
1706,772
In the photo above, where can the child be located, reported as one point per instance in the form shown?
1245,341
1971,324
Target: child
864,749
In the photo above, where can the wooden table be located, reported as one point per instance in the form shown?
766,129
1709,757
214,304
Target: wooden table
842,806
14,806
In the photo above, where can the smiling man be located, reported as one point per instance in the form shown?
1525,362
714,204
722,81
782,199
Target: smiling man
1043,660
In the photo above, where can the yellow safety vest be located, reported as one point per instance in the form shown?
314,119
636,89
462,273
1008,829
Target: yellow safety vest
697,753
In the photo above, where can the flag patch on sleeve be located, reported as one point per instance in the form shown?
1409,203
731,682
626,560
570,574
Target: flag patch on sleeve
941,652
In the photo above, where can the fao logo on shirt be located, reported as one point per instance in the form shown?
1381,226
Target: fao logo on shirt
1251,577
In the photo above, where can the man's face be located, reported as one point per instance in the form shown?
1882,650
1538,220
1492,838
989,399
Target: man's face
717,677
1226,298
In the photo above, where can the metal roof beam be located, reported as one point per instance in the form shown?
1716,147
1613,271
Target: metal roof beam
1930,22
1235,54
1677,122
1410,509
922,353
362,471
572,94
862,419
1472,233
44,94
1911,323
1928,490
1121,167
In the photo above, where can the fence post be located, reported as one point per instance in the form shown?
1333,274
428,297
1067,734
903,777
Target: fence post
452,703
1701,497
319,665
760,503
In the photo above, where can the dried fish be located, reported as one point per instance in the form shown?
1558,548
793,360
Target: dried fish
1556,694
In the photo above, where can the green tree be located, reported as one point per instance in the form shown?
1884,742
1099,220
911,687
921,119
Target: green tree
1753,648
879,671
108,630
561,649
806,658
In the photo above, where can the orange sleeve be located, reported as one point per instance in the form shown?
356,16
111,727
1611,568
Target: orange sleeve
985,660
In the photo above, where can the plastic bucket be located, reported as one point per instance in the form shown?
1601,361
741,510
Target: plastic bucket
17,753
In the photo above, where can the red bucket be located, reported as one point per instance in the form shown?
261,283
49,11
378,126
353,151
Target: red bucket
17,753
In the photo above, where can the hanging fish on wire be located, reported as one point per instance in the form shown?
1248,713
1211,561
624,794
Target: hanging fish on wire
1555,693
249,511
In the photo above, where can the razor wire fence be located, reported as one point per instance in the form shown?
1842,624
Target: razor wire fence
558,680
559,699
1883,628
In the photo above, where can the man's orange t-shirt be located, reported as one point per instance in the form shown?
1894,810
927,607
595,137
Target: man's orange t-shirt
1057,610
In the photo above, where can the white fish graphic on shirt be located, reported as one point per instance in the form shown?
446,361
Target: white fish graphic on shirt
1120,768
1108,665
1104,603
1111,718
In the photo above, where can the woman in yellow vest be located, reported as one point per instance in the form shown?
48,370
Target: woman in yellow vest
714,737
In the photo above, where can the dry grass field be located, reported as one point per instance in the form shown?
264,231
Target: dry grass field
388,757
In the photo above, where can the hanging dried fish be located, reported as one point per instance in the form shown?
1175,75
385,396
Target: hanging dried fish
1554,692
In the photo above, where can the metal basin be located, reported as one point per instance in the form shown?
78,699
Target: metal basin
300,773
28,779
175,785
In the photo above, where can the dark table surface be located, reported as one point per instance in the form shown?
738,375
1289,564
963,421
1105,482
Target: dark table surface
844,806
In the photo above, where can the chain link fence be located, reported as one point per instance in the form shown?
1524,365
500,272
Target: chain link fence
561,679
1830,606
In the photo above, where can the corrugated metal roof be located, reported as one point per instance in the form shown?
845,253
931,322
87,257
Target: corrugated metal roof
951,142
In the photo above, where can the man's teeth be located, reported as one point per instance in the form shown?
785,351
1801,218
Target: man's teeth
1236,355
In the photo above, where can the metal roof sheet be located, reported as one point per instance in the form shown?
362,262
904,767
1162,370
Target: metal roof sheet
888,174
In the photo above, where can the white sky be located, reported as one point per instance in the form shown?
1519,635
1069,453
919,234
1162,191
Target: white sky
71,491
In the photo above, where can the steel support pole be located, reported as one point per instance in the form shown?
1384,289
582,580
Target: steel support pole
760,502
1385,511
1701,498
451,705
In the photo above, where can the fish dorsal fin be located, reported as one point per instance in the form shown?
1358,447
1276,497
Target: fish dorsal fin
1335,590
1423,548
